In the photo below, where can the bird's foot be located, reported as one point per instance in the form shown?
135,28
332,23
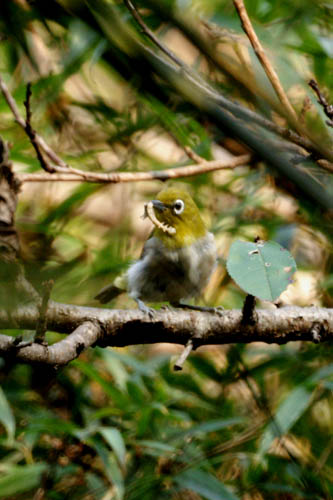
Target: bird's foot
216,310
219,310
166,307
145,309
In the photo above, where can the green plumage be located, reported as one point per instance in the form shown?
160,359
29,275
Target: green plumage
188,224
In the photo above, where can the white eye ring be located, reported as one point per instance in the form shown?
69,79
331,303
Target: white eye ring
178,207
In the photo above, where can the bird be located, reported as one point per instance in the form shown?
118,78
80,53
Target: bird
177,259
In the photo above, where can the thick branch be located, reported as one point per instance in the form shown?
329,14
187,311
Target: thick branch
9,188
60,353
11,270
112,327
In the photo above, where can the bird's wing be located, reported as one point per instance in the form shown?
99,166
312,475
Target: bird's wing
149,244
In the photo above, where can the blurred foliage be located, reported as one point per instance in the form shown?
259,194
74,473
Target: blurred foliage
118,423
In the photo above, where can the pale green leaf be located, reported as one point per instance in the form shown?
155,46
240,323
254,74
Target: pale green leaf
20,478
115,440
204,484
289,411
6,416
212,426
262,269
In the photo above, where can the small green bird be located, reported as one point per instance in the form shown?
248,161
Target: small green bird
177,260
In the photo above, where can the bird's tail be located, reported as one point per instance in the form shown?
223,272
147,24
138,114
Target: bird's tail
108,293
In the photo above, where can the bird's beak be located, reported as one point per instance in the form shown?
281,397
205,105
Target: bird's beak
159,205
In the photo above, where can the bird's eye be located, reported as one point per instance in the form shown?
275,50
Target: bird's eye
178,207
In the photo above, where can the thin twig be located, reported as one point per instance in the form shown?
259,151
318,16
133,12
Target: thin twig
11,103
265,62
31,133
183,357
328,108
194,156
18,118
115,177
150,34
42,320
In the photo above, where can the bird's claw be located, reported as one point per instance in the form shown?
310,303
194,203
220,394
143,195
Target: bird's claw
145,309
219,310
149,311
166,307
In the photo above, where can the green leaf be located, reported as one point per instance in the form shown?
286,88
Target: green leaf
115,394
158,446
20,478
211,426
116,367
112,470
6,416
115,440
290,410
263,269
204,484
323,372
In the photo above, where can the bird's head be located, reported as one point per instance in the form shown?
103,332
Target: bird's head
176,218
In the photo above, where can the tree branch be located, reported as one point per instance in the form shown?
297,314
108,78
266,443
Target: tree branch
42,320
260,53
184,355
328,108
150,34
114,177
12,278
113,327
31,133
60,353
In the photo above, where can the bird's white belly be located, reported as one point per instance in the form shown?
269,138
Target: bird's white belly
172,275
